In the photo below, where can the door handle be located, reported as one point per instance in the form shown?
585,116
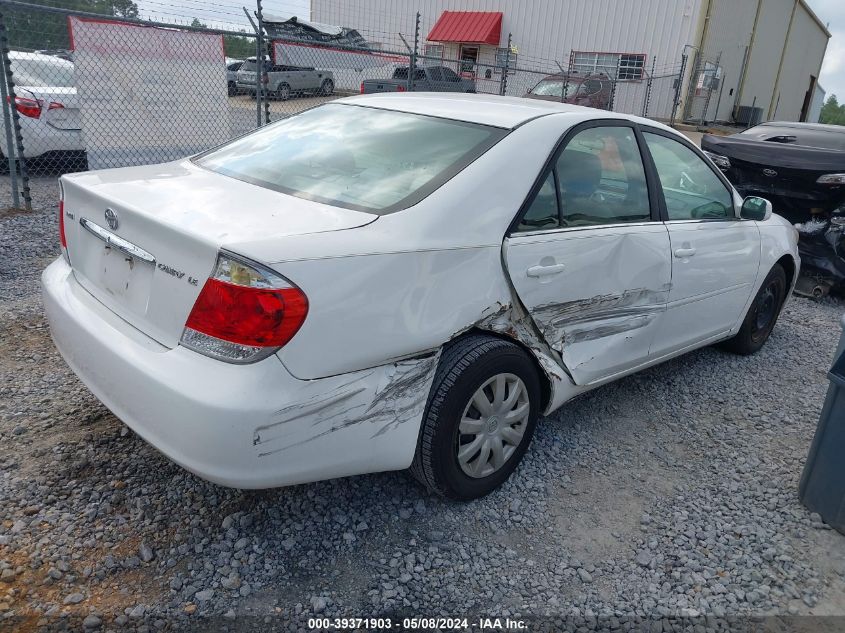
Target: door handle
684,252
545,271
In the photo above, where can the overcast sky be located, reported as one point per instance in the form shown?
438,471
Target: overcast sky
832,78
228,13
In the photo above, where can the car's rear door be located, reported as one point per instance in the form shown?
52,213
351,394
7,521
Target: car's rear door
715,254
588,255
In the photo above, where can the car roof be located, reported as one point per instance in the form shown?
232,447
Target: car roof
504,112
39,57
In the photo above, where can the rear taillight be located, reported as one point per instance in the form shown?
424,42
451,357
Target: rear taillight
32,107
27,107
62,239
244,313
362,87
400,88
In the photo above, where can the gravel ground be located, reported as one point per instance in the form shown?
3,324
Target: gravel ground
667,499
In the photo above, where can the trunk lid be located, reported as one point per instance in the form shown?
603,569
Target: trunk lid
64,113
143,240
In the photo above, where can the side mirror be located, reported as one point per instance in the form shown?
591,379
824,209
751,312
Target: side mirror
754,208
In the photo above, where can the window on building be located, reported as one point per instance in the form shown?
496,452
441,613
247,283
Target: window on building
631,66
434,51
502,57
614,65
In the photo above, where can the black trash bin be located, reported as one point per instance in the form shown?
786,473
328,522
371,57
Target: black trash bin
822,487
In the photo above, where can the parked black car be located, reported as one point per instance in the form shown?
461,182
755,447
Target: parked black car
800,167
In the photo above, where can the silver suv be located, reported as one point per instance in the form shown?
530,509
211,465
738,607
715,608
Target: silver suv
283,82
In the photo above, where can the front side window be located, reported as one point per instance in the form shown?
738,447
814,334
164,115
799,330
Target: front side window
449,75
434,74
691,189
362,158
601,178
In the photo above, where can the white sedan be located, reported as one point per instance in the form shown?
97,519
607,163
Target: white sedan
47,105
402,281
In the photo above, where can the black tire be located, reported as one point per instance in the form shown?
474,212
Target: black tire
762,315
327,87
232,89
464,367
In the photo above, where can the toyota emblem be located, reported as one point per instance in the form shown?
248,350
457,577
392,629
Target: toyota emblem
111,219
771,173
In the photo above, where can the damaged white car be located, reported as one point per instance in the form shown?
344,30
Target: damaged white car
402,281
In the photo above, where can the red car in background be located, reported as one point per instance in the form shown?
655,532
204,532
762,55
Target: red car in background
593,91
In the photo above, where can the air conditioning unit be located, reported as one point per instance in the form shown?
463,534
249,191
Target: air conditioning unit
746,115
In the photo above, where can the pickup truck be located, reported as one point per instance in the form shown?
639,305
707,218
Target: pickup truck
426,79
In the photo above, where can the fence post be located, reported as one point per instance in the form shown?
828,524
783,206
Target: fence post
677,101
257,57
412,67
10,148
648,86
260,77
8,83
503,84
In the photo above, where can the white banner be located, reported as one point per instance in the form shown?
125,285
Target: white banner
148,94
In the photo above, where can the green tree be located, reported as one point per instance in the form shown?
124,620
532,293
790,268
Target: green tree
832,112
32,29
239,47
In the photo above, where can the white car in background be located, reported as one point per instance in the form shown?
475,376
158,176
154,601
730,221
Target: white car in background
47,105
394,281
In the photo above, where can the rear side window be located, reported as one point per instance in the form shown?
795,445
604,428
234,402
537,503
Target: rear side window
362,158
598,178
43,73
601,178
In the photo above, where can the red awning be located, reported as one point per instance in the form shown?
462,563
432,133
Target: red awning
469,27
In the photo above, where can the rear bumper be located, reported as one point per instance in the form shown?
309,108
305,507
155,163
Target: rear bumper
245,426
41,138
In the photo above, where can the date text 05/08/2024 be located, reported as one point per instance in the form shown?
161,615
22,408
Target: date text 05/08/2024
420,623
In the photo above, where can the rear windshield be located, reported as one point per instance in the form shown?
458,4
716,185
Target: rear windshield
553,88
361,158
807,137
248,65
43,73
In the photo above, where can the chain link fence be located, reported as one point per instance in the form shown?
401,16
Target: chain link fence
83,90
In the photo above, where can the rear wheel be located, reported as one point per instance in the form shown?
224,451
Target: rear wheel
762,315
479,419
327,87
283,92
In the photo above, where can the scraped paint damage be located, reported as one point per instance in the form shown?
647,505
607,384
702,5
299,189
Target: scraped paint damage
382,398
600,316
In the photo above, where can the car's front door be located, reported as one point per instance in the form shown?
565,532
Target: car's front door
588,255
715,255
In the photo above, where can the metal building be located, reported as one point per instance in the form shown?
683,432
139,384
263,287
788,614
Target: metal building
737,60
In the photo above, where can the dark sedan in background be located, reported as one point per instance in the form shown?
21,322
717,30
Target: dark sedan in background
800,167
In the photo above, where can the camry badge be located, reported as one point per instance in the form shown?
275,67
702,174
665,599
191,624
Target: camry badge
111,219
771,173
